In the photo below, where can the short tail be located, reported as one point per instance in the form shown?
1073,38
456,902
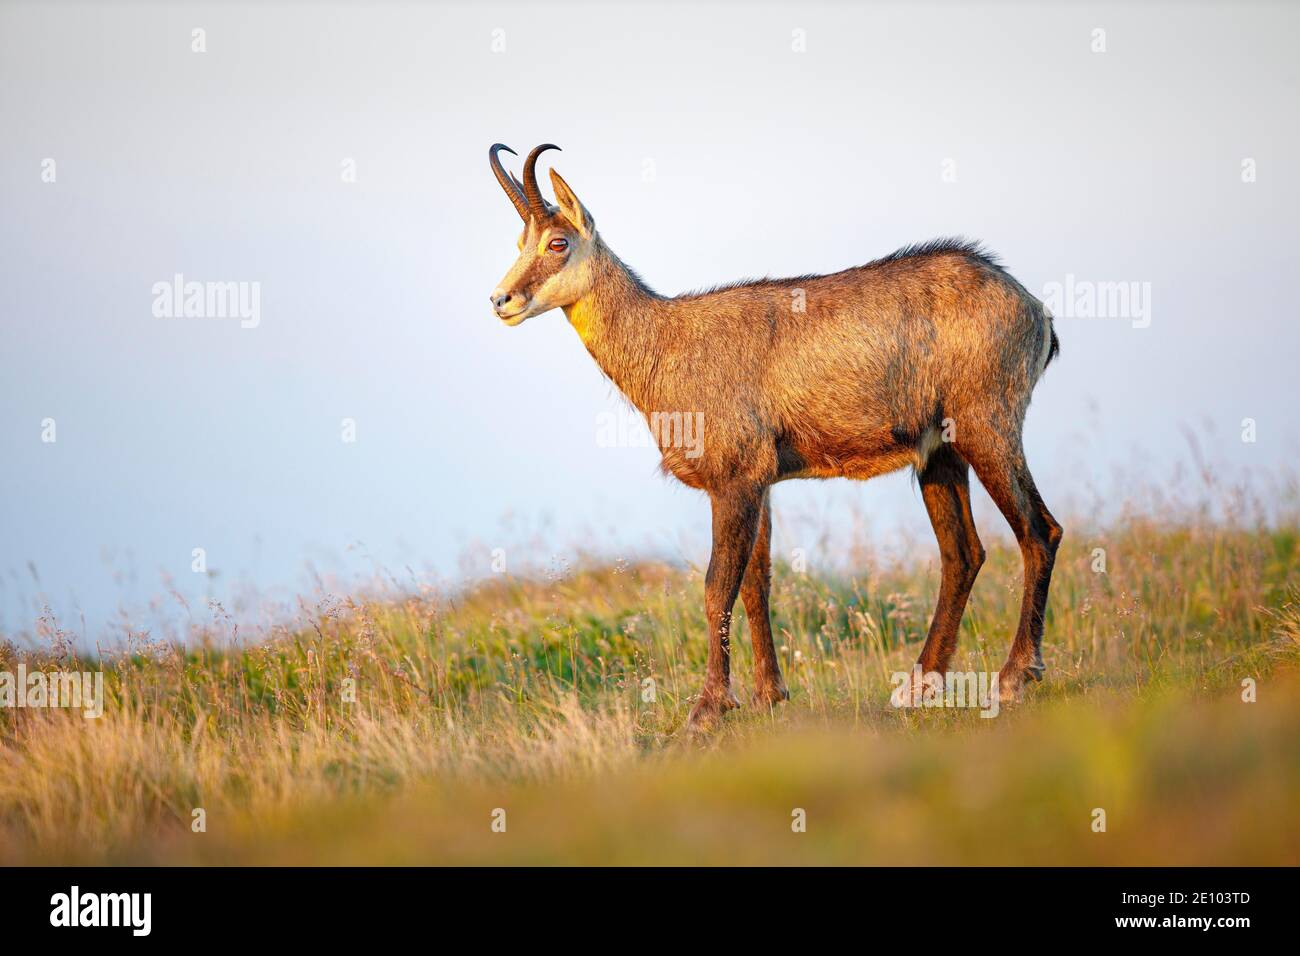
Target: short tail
1035,314
1054,348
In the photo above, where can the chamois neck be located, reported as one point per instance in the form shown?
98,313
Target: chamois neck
617,322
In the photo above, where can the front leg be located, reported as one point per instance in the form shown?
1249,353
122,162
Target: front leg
769,688
736,513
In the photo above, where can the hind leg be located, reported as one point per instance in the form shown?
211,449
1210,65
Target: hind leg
1004,473
945,487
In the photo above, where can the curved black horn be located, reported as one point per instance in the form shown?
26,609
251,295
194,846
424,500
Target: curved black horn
508,181
532,194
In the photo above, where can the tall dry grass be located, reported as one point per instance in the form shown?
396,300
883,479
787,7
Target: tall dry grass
388,729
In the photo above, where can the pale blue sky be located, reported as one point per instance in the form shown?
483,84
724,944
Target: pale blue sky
1115,166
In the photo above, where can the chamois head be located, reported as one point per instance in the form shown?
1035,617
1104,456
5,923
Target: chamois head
554,265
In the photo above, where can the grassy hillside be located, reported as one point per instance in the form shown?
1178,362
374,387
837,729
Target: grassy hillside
531,697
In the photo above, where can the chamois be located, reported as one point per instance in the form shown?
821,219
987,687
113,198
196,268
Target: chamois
926,357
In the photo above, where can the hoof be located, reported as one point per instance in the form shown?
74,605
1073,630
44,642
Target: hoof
1011,683
769,694
707,713
1036,668
1010,688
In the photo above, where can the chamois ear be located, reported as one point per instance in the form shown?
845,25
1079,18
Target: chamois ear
573,210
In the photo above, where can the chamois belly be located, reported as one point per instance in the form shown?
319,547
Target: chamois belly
857,456
820,455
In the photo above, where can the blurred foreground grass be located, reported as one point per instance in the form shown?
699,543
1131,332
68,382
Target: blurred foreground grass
389,730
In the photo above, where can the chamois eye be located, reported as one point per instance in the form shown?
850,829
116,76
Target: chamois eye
558,245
